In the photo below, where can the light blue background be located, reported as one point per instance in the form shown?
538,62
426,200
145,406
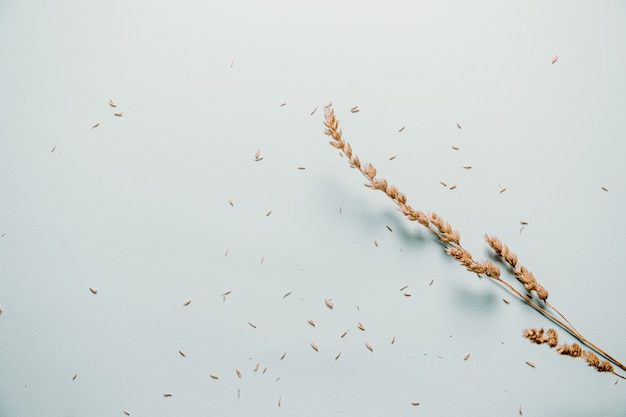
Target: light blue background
138,207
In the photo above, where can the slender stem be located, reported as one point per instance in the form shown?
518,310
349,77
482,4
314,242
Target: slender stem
560,314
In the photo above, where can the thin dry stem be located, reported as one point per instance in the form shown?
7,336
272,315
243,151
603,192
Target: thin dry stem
451,240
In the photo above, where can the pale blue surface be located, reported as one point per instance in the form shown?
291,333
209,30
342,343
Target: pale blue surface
138,207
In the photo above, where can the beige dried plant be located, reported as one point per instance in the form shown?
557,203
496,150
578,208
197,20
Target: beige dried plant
452,242
574,350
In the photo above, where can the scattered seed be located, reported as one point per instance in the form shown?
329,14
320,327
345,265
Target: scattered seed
186,303
404,288
453,186
431,282
502,190
126,412
329,303
53,148
268,213
391,158
74,377
555,57
459,126
264,370
256,367
96,125
401,129
467,166
531,364
283,356
369,346
112,103
616,381
238,372
376,242
301,167
287,294
231,202
214,376
257,154
466,357
521,412
393,340
506,301
313,112
389,228
0,310
360,326
167,394
330,103
226,252
355,109
443,183
238,392
345,333
456,148
279,398
262,258
93,290
605,189
524,222
338,355
118,114
407,294
182,353
311,322
415,403
340,209
314,346
252,325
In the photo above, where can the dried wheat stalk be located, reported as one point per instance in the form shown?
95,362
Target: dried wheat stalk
451,240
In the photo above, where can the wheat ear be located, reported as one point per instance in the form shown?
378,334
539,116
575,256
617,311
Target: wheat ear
574,350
